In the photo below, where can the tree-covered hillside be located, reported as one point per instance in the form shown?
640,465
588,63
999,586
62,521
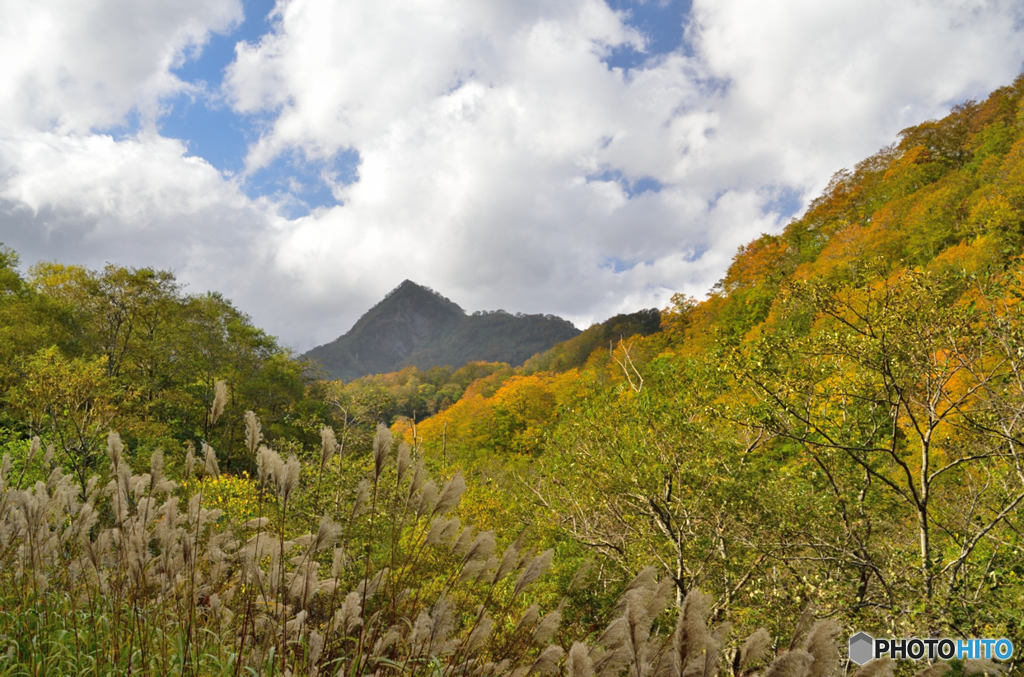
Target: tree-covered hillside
840,421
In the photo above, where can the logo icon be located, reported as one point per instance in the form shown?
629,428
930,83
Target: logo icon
862,648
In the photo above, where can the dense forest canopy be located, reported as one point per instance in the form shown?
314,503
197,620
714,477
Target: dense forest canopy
838,423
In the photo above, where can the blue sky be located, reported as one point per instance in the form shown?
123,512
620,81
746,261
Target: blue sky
575,157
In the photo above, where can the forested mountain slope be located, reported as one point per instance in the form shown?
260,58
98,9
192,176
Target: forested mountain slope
840,420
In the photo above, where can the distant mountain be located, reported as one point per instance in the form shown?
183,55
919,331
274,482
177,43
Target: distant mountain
414,325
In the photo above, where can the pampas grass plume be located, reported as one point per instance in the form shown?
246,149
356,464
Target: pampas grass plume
451,494
328,445
220,399
210,467
821,644
754,649
547,628
537,566
794,663
879,667
253,432
289,477
578,663
190,459
547,662
382,442
980,666
404,460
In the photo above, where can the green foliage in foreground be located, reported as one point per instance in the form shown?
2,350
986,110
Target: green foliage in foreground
129,577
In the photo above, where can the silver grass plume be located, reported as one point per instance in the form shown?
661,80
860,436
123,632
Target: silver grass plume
419,638
316,647
115,449
443,620
821,644
711,655
428,497
753,649
547,628
337,562
578,663
210,467
794,663
480,633
581,575
419,474
394,633
304,583
451,530
508,564
289,478
295,626
253,432
362,497
326,534
328,445
450,494
437,527
51,451
381,447
533,570
190,459
461,544
640,586
483,575
268,465
981,666
158,481
690,637
367,588
879,667
638,627
547,662
404,460
481,548
660,598
220,399
529,617
803,624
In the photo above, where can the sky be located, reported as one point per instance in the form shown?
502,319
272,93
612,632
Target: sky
575,157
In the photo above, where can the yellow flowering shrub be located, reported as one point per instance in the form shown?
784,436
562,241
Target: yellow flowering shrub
236,495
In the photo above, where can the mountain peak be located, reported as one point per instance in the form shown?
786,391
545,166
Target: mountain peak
413,324
408,288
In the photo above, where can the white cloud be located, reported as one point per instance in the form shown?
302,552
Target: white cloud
492,140
74,66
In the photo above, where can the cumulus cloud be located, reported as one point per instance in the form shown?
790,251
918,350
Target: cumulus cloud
501,160
74,66
498,149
